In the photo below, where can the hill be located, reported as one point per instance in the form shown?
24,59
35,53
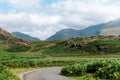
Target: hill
109,28
94,45
26,36
64,34
12,43
10,39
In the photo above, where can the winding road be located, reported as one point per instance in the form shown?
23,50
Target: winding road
44,74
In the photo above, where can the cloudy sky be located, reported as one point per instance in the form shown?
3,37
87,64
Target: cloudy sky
43,18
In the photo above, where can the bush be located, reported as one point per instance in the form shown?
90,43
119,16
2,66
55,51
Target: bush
18,48
103,70
73,70
1,68
7,74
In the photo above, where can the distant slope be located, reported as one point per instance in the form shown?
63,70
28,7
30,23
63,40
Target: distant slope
110,28
64,34
91,30
83,46
26,36
10,39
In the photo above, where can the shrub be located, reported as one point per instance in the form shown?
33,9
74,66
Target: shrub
18,48
73,70
7,74
103,70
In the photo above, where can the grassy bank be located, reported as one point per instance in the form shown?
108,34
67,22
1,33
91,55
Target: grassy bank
7,74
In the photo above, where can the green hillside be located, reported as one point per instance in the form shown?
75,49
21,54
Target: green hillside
80,46
74,51
94,45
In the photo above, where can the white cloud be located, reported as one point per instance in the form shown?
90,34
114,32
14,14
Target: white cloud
25,5
43,20
86,9
33,24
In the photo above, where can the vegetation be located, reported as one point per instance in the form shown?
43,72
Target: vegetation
101,69
70,53
81,46
16,61
7,56
19,48
7,74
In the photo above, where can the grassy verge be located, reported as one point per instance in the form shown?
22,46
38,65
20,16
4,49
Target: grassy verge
7,74
22,70
85,77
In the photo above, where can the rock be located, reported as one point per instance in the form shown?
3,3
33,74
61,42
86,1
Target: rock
11,39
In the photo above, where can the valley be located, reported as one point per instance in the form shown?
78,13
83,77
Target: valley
70,52
59,40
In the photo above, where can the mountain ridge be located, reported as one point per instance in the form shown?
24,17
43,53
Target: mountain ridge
25,36
64,33
109,28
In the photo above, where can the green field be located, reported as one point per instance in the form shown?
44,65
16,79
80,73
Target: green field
74,52
18,61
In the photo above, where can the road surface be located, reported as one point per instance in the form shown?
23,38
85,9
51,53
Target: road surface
44,74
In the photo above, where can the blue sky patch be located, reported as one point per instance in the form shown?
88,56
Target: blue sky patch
5,7
50,1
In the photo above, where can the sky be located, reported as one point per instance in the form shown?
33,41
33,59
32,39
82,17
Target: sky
43,18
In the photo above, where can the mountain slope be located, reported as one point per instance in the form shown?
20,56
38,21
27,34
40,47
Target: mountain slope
81,46
22,35
110,28
64,34
10,39
91,30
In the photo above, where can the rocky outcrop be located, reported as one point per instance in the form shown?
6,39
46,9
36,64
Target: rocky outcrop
11,39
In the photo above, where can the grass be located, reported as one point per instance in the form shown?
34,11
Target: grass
49,62
19,48
85,77
7,74
81,50
80,46
12,56
22,70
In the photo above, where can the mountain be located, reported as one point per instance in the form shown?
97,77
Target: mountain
109,28
26,36
9,38
64,34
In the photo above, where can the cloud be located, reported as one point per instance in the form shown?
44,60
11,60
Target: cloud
42,18
25,5
33,24
45,19
86,10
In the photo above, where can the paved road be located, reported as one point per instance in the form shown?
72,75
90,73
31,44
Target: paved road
45,74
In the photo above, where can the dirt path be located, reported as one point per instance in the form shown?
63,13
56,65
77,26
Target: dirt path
44,74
